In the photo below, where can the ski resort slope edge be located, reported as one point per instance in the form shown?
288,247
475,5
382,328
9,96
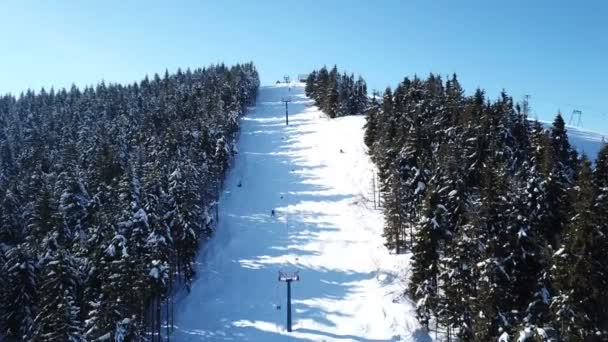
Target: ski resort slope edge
316,176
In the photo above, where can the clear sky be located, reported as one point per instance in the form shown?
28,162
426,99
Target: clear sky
556,51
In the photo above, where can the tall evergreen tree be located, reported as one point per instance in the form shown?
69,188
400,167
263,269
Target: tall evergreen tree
59,285
574,275
561,172
19,297
425,249
599,252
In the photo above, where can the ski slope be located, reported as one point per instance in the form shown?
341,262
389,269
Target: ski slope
325,227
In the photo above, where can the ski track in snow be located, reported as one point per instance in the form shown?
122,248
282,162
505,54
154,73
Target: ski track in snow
326,227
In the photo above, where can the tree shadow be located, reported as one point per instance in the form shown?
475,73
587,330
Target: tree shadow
343,337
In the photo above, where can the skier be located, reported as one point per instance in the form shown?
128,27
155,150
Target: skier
272,213
341,151
240,184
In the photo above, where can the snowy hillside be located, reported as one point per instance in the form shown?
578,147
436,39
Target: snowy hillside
585,141
325,227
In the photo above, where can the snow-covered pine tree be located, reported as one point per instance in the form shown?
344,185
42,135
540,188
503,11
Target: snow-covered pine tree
560,161
457,282
599,272
576,274
311,80
536,289
361,100
185,228
457,247
428,232
18,300
345,98
405,184
371,125
221,158
474,138
58,316
12,223
330,103
493,303
322,83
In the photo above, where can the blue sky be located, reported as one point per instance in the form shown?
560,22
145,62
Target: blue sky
556,51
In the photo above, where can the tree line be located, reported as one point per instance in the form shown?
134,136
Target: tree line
337,94
507,224
105,194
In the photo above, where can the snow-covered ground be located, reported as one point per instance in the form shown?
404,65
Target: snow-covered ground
325,227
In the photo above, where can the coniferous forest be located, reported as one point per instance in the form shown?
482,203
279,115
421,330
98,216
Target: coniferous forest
106,193
506,223
337,94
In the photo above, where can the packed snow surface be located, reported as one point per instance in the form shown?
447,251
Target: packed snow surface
317,177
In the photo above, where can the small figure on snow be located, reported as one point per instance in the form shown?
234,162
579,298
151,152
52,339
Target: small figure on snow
281,196
341,151
240,184
272,213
